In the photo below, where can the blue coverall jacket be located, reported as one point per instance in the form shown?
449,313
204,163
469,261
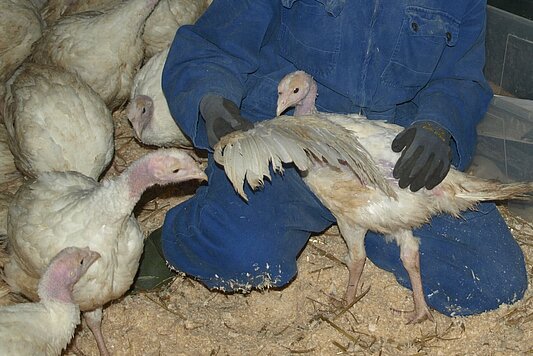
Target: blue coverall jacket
402,61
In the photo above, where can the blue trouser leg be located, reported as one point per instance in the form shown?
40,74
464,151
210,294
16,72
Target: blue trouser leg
468,265
229,244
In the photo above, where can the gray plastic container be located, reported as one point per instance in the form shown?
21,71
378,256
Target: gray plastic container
505,146
509,46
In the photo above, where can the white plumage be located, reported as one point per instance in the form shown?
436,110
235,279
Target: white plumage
148,109
104,49
165,20
5,200
8,170
39,4
46,327
353,188
55,122
53,10
20,27
61,209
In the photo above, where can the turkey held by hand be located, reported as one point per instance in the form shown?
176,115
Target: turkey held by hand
348,164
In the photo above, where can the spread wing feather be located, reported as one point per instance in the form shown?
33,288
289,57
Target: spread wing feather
300,140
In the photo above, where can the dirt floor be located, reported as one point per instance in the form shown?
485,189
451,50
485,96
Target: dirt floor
187,319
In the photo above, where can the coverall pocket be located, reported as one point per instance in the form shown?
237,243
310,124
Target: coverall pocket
424,35
316,52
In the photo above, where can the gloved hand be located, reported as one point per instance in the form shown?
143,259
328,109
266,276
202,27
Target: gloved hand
426,156
221,117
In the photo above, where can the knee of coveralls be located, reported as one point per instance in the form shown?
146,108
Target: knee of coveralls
468,265
230,244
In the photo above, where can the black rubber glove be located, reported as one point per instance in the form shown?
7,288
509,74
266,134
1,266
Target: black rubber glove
221,117
426,156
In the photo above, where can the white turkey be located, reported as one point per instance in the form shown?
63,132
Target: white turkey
20,27
5,200
348,162
104,49
46,327
61,209
39,4
8,170
56,122
148,109
165,20
55,9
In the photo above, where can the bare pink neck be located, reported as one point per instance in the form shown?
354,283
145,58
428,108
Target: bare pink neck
51,290
139,179
125,190
307,105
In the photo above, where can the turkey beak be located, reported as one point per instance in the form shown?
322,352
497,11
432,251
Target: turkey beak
281,106
189,172
130,114
92,256
201,176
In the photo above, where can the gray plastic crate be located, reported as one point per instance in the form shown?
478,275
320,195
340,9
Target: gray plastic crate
509,49
505,146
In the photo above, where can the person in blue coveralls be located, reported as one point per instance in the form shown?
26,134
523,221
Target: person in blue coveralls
414,63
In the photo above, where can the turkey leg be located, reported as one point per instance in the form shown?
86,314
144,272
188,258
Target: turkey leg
411,261
355,261
94,322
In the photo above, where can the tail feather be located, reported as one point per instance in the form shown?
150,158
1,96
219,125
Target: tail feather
286,139
479,189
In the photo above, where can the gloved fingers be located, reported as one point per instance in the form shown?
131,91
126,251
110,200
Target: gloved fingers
211,106
438,175
215,107
403,139
217,129
240,123
440,168
221,116
424,170
222,128
232,110
404,165
422,164
245,125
